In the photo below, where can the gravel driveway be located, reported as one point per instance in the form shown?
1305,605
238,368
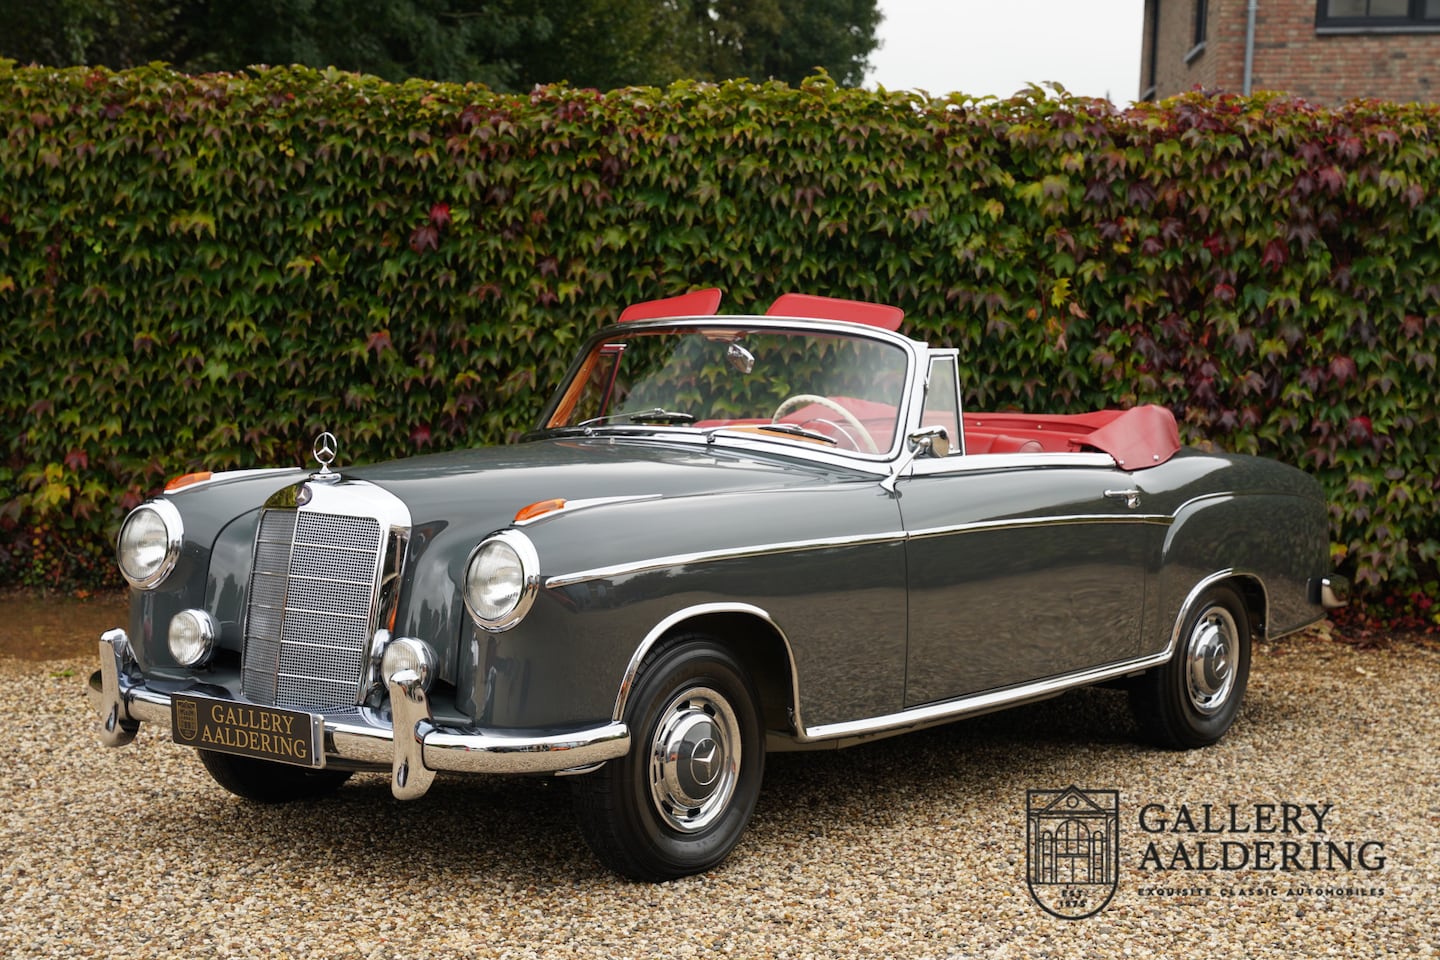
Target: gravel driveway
912,847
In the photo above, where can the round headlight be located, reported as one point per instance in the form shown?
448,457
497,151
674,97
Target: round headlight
192,637
406,653
149,543
501,580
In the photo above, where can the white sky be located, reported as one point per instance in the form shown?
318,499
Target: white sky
983,47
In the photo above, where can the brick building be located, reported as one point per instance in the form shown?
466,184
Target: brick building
1326,51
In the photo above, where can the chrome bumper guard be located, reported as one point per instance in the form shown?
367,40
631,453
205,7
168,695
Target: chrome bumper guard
1332,592
414,757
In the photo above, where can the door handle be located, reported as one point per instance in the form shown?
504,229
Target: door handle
1131,496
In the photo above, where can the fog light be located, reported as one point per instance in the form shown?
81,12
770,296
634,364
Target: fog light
407,653
192,637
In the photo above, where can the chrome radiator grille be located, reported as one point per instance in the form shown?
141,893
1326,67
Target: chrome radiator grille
310,617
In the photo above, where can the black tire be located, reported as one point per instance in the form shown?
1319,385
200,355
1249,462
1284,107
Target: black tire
678,802
264,782
1193,699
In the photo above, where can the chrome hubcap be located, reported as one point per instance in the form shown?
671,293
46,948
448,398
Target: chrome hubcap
1210,660
694,759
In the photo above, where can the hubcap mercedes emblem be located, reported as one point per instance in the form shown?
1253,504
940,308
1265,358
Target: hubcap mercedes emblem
702,762
324,451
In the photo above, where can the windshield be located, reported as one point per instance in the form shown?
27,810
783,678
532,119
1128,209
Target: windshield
833,389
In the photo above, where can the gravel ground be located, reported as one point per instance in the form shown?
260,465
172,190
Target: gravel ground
912,847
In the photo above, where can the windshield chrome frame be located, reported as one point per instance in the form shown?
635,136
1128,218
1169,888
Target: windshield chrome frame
916,357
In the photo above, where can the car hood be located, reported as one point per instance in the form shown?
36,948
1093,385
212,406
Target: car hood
490,484
457,499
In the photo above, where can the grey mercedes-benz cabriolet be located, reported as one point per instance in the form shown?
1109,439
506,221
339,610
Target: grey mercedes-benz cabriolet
728,535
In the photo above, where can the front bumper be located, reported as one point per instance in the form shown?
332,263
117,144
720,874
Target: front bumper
364,738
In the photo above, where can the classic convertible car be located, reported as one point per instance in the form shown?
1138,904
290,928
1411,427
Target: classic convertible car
728,535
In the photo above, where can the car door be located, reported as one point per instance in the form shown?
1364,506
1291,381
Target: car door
1021,566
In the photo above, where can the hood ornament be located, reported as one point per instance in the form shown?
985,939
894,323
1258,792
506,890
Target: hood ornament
324,453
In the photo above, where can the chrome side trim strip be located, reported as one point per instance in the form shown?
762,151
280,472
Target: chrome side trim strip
947,710
711,556
797,546
1159,519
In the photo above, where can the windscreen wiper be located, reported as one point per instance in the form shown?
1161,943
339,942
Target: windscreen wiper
654,415
789,429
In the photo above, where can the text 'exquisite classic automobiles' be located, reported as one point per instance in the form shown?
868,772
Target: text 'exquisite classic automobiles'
728,535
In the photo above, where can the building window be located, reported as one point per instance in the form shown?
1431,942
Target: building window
1152,19
1398,16
1198,47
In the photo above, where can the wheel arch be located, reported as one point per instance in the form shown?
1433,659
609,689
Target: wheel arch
749,633
1253,595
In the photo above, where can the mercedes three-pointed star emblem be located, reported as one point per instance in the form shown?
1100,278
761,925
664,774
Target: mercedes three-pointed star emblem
324,451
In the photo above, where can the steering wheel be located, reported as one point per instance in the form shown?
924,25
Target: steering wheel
800,399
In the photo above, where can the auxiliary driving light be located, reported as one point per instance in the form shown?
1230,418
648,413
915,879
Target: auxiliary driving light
192,637
407,653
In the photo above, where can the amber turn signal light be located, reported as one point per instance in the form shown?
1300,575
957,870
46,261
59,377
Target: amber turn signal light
187,479
539,509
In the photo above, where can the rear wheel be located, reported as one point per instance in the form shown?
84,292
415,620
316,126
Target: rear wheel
1194,698
679,801
266,782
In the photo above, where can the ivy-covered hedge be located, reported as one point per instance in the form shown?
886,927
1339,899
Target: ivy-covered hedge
202,272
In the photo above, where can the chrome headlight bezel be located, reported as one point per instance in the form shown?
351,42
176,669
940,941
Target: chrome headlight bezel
150,574
508,562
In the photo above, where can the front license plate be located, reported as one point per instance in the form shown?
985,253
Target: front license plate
247,730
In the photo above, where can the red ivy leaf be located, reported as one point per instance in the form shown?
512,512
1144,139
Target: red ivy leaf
425,238
379,341
440,215
1332,180
1276,254
1343,369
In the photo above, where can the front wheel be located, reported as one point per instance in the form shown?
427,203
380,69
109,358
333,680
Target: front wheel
1194,698
679,801
266,782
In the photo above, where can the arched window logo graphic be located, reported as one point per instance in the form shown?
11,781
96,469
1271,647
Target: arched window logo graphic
1072,849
